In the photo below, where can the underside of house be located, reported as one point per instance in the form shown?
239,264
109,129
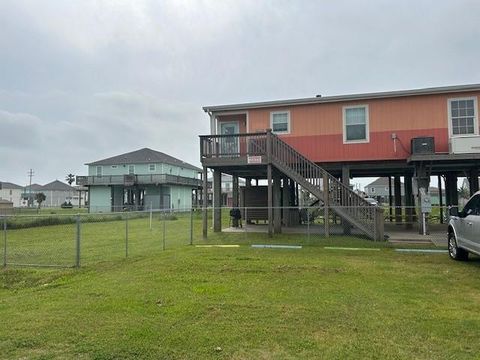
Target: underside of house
139,192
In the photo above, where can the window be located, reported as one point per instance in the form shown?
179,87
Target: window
151,167
131,169
280,122
355,124
473,206
372,190
99,171
463,116
114,166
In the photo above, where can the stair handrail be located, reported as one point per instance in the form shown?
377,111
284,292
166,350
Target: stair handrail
276,142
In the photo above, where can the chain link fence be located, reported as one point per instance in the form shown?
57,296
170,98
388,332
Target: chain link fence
85,239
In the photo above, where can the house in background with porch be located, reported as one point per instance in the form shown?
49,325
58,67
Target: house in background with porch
139,180
382,190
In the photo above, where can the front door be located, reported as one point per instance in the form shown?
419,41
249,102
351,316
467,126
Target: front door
229,144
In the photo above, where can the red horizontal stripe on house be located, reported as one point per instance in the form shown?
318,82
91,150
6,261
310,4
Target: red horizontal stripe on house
329,148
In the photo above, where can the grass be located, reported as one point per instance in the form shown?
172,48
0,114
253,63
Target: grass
251,303
231,303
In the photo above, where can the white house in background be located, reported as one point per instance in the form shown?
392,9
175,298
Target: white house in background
56,193
11,192
378,189
227,189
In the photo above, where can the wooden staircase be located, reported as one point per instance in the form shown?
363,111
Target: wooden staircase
227,149
336,196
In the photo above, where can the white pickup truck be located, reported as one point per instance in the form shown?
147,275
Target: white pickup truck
464,229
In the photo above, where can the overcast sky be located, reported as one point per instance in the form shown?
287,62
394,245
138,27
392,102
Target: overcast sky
84,80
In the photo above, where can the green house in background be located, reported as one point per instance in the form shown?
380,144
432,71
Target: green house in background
140,180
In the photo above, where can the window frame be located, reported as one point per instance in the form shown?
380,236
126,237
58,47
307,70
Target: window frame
131,173
475,116
367,124
475,211
278,112
150,167
99,173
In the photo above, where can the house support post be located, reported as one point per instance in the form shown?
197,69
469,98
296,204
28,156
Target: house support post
270,200
326,202
269,180
293,199
235,191
346,181
217,201
285,202
473,181
423,183
277,210
440,197
398,199
451,191
204,203
409,201
390,199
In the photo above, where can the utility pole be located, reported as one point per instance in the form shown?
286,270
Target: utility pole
30,175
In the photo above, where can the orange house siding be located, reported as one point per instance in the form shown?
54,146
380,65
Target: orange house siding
317,130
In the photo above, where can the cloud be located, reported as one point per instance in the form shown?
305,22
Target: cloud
83,80
20,131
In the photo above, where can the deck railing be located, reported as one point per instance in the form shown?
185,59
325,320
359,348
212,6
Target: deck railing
129,180
233,146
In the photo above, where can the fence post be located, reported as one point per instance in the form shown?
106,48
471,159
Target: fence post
126,234
191,226
164,228
77,243
5,241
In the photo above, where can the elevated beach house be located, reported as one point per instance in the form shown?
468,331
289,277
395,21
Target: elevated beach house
139,180
320,143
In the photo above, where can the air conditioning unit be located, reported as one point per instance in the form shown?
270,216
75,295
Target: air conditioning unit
464,145
423,145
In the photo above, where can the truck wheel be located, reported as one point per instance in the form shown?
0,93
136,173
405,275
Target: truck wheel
454,251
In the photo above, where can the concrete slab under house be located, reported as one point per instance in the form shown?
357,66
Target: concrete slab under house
318,144
140,180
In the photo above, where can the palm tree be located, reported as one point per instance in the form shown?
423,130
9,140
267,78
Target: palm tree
464,192
70,178
40,197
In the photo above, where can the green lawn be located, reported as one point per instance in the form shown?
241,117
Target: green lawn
240,303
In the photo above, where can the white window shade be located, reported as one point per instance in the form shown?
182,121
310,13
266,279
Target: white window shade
280,122
355,121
